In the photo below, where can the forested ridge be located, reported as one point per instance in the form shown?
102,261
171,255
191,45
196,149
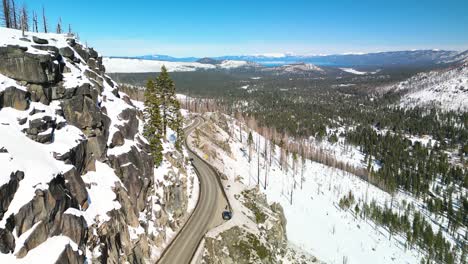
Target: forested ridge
422,151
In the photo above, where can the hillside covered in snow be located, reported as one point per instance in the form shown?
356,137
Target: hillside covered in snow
445,89
77,181
326,208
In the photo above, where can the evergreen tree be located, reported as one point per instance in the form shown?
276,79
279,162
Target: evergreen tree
176,124
170,106
153,129
249,142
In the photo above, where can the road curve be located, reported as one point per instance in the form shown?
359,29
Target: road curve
206,215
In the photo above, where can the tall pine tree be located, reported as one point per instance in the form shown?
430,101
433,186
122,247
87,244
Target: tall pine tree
170,106
153,129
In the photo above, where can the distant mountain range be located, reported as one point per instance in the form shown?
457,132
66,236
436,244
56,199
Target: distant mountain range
413,57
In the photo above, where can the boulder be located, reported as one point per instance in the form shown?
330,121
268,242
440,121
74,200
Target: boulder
109,81
92,63
71,42
102,68
93,76
60,92
32,68
130,129
38,94
82,111
52,49
40,40
74,227
117,139
67,52
45,137
38,236
79,158
96,147
41,129
81,51
7,241
69,256
15,98
47,206
92,53
135,169
76,185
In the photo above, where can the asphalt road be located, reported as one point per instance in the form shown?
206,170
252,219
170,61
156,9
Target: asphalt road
206,215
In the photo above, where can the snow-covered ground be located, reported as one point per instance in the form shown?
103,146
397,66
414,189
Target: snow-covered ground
116,65
353,71
315,222
446,89
230,64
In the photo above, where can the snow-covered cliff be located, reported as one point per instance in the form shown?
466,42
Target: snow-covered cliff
77,180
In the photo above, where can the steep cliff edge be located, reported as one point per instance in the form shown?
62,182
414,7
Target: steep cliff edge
78,182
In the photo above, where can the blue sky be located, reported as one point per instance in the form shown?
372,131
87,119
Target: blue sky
210,28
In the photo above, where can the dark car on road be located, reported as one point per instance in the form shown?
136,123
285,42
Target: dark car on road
227,215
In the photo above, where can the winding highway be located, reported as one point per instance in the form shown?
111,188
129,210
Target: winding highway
205,216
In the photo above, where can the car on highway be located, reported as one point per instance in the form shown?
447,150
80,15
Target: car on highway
227,215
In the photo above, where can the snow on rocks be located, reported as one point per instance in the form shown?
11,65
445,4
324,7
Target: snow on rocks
102,198
6,82
32,158
62,170
48,252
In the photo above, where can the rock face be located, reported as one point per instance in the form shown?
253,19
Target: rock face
34,68
14,97
8,190
62,92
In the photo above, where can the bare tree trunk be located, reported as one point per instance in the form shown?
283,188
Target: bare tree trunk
7,13
59,26
13,13
35,22
44,20
24,19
